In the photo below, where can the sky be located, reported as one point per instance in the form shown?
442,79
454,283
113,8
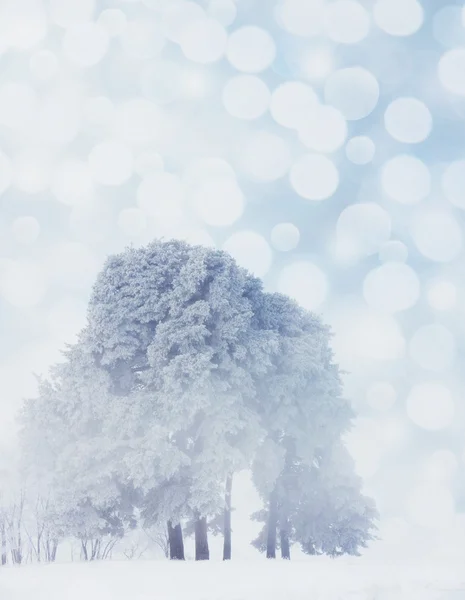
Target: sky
320,142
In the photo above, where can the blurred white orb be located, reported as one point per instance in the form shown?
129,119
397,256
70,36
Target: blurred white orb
432,347
67,13
441,466
431,506
448,29
317,64
354,91
406,179
305,283
162,195
285,237
113,20
453,183
361,229
143,39
25,230
99,111
161,81
324,129
203,41
72,265
18,106
85,45
22,283
250,49
246,97
451,71
408,120
251,251
265,156
32,171
43,65
375,337
442,295
314,177
59,118
72,182
398,17
138,121
6,172
360,150
111,163
437,235
219,202
393,251
302,17
381,396
23,23
224,11
148,162
391,288
291,102
346,21
203,170
132,222
179,15
430,405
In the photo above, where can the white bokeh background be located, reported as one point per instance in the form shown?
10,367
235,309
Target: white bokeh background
320,142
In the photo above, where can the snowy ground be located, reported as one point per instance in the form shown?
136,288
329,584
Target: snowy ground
308,579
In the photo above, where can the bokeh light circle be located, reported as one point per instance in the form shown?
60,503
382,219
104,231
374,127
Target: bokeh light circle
314,177
354,91
430,405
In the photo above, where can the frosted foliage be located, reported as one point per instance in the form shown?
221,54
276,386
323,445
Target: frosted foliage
251,251
203,41
71,12
406,179
25,230
142,39
304,282
432,507
85,45
451,71
360,150
265,156
224,11
408,120
432,347
391,288
393,251
430,405
437,235
442,295
113,20
22,284
354,91
132,222
250,49
291,102
111,163
43,65
314,177
219,202
285,237
361,230
346,21
246,97
324,129
453,183
381,396
302,17
398,17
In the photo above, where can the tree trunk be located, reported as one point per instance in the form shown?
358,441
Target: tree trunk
201,539
272,526
176,542
227,520
285,548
